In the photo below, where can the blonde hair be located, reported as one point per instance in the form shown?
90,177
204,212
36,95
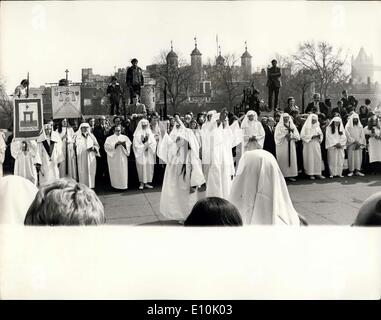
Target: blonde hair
65,202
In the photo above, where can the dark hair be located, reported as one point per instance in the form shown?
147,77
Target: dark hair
114,78
273,60
113,120
344,91
367,101
339,102
371,217
333,128
134,60
289,99
214,211
24,81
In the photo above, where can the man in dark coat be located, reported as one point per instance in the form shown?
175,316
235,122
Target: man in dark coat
269,143
101,132
134,79
273,83
114,92
341,111
317,105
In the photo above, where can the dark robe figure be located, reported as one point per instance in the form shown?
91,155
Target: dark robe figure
9,161
269,143
323,125
101,132
298,121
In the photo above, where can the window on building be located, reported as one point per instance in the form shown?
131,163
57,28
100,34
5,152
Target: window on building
208,87
202,87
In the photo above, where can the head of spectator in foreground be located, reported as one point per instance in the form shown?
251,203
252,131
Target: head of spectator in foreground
260,193
65,203
214,211
370,212
16,195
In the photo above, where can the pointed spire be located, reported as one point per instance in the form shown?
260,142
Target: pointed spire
245,45
171,45
195,51
219,50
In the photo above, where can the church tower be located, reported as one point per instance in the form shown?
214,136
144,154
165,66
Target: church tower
362,68
220,60
246,64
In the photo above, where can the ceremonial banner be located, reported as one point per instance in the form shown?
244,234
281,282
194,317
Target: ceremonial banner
27,118
66,102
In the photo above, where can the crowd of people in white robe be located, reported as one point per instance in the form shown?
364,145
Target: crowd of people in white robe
201,157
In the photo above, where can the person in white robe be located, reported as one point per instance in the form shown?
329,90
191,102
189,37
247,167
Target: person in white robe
335,143
16,196
237,140
205,134
221,170
144,144
183,172
48,156
373,132
312,137
354,132
118,147
285,136
260,192
68,166
87,149
3,147
253,132
24,153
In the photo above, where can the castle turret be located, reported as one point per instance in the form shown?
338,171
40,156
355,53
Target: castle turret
246,64
362,68
196,62
172,58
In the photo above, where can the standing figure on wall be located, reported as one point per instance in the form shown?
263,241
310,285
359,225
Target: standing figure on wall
134,79
273,83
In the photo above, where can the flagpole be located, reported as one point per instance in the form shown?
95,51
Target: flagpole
27,87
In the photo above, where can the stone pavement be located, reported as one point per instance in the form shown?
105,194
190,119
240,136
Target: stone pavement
328,202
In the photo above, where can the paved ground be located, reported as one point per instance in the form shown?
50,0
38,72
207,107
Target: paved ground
328,202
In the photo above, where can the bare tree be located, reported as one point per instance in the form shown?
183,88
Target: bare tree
327,65
178,79
226,81
301,82
6,106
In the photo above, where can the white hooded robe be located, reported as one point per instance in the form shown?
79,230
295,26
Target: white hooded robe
260,192
312,160
117,159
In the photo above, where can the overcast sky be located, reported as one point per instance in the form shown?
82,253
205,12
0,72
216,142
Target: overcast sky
45,38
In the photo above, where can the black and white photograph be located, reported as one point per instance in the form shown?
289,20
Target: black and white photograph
163,123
